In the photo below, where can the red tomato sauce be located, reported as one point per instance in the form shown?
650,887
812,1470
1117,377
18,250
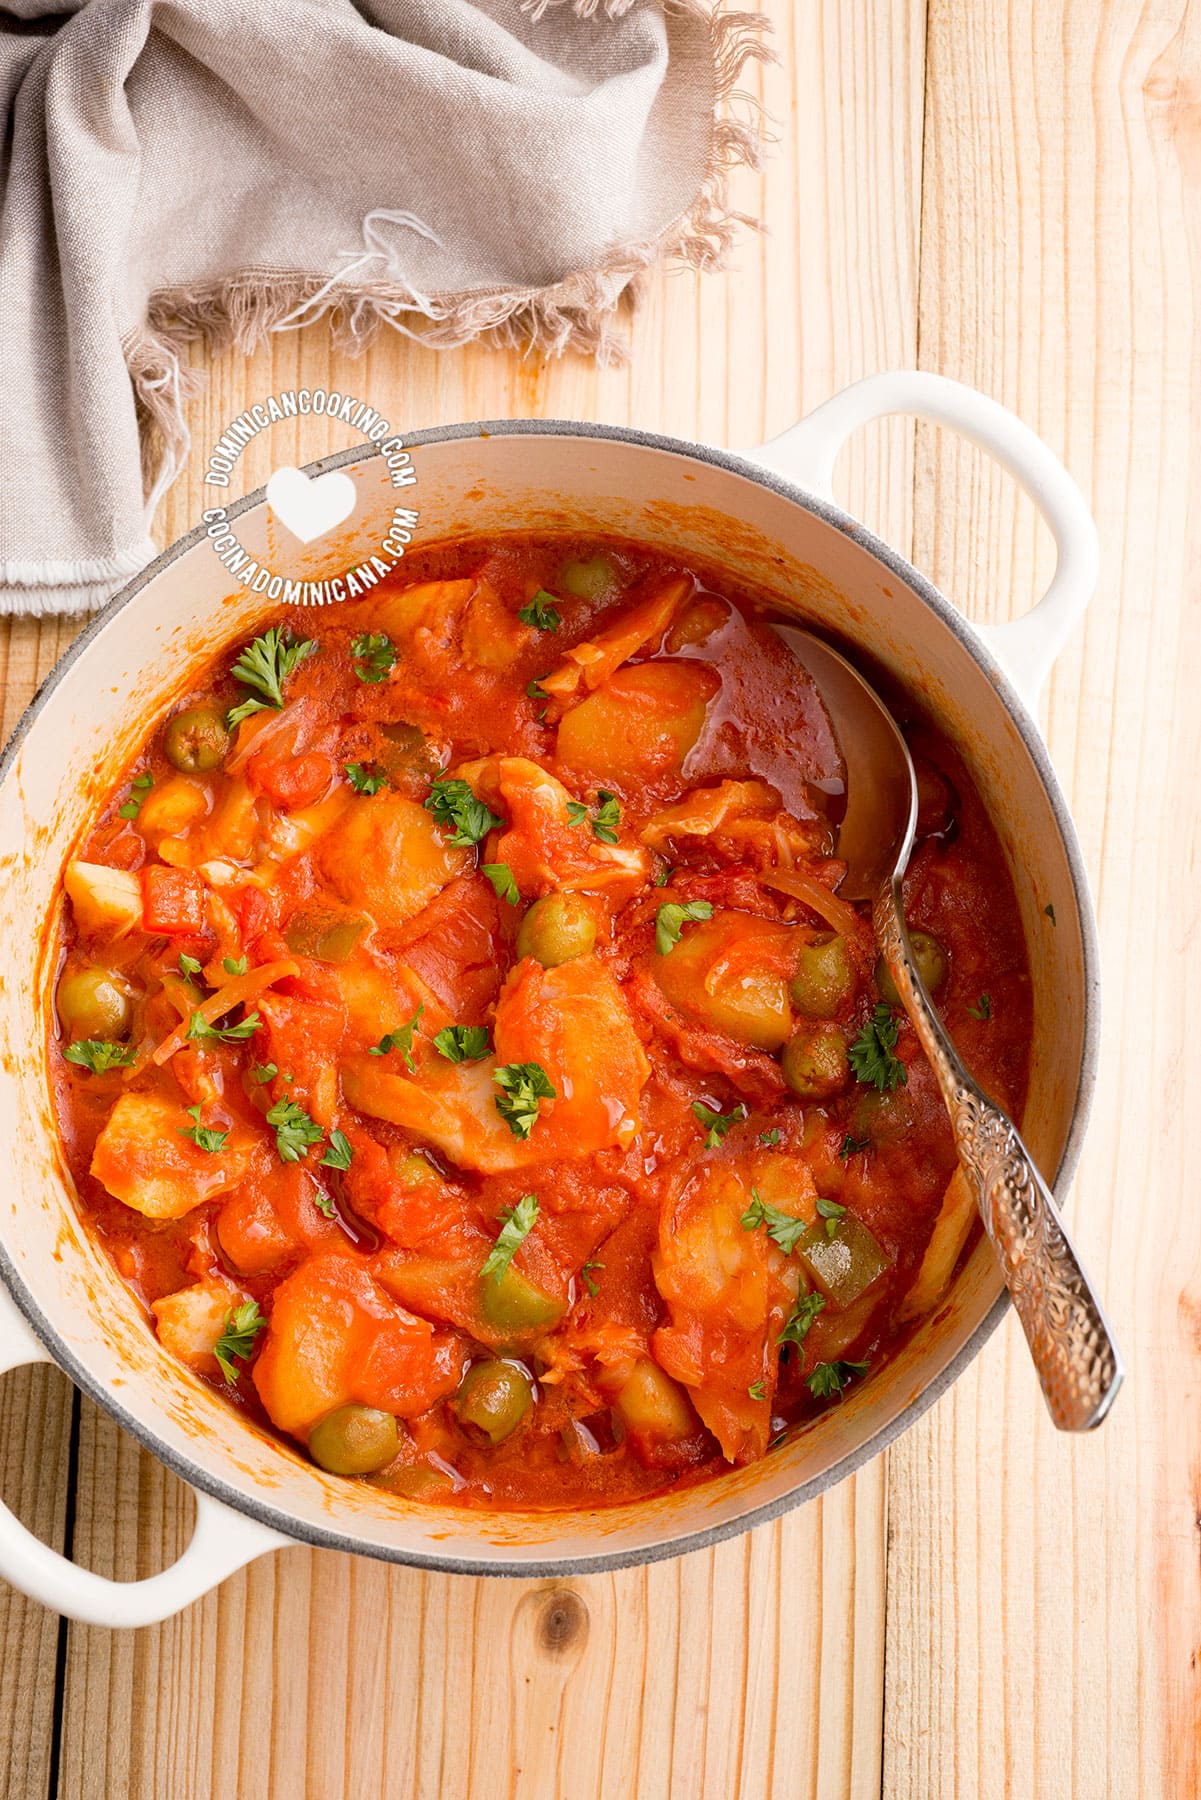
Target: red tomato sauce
466,1059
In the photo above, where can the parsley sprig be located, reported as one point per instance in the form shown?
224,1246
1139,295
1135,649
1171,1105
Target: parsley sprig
400,1038
501,877
365,780
265,665
782,1228
99,1055
294,1130
831,1212
518,1223
541,612
524,1086
717,1123
872,1055
673,916
454,805
339,1153
199,1027
982,1008
140,786
606,816
201,1135
374,655
238,1337
461,1043
801,1318
829,1378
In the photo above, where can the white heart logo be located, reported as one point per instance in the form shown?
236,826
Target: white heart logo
309,506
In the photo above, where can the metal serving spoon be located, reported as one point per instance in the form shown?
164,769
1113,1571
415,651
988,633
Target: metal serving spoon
1078,1363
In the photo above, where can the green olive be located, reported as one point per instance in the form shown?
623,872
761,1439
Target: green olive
354,1440
587,580
824,982
512,1306
931,960
557,929
495,1397
814,1063
94,1003
196,740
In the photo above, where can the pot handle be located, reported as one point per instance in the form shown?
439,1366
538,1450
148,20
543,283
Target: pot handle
1027,647
222,1541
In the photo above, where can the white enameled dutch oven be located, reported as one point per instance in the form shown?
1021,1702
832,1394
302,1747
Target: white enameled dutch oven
769,519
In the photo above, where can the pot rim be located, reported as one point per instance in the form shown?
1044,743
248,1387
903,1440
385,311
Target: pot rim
195,1475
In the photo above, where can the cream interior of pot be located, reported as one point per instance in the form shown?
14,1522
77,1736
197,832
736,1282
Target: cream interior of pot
103,702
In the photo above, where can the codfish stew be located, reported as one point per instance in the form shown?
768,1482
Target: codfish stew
463,1053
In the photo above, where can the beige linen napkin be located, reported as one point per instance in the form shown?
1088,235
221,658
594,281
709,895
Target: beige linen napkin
183,168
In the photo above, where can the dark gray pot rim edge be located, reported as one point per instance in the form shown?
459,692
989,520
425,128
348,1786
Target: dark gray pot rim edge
323,1537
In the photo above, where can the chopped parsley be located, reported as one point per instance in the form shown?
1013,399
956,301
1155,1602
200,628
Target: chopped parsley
540,612
374,655
586,1277
339,1152
242,1326
140,786
400,1038
982,1008
294,1130
461,1043
673,916
831,1212
501,877
782,1228
577,812
769,1139
535,690
189,965
201,1136
717,1123
325,1202
99,1055
801,1318
872,1054
829,1378
663,876
518,1223
199,1027
606,816
265,665
453,804
525,1086
365,780
264,1072
758,1390
234,965
853,1146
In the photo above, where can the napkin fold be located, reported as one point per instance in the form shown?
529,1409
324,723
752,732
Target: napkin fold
181,169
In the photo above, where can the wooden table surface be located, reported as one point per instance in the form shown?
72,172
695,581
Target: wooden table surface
1008,193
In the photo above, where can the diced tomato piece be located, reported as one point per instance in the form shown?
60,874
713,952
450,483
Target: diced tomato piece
172,901
291,781
255,913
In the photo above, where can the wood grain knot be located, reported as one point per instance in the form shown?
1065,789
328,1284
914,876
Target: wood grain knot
562,1621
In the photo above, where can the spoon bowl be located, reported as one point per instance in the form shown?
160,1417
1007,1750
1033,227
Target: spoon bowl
1074,1352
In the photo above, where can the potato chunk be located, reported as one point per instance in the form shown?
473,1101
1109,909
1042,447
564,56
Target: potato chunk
641,723
144,1160
336,1339
731,973
386,855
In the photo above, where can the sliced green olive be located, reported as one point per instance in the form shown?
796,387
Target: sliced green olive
495,1397
824,981
587,580
931,960
354,1440
814,1063
512,1305
196,740
557,930
843,1262
94,1003
325,933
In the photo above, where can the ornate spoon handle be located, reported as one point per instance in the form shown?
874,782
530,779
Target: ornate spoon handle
1077,1360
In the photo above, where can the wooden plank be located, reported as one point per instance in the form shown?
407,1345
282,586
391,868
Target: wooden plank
756,1668
1044,1606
